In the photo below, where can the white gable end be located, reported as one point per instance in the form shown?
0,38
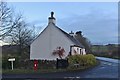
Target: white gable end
49,40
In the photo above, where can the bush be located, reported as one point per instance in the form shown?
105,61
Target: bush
6,64
83,60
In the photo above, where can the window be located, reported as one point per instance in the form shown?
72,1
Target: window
80,51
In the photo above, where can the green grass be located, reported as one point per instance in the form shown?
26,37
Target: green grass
21,71
26,71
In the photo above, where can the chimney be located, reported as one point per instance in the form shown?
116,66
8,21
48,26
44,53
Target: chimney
71,33
51,19
79,33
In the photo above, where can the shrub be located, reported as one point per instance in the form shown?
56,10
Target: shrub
83,60
59,51
5,63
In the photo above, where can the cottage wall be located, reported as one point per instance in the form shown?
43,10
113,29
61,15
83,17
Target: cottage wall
47,42
77,50
49,39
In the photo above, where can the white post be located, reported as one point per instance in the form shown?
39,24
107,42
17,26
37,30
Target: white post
12,59
12,64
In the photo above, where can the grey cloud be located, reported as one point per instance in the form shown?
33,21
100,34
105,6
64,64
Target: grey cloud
98,27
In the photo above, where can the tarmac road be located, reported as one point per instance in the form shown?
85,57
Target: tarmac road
104,70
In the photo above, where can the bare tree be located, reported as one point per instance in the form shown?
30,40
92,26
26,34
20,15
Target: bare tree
7,20
15,28
22,36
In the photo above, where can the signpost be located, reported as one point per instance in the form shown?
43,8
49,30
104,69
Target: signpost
11,59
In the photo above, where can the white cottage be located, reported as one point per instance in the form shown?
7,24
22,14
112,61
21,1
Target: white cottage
51,38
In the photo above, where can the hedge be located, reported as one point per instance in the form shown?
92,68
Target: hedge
83,60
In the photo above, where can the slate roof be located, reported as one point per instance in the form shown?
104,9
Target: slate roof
73,39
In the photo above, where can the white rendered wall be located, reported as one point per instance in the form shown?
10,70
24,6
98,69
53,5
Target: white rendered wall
77,49
49,40
84,52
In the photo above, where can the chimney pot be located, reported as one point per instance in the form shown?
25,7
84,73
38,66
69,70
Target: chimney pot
79,32
71,33
51,19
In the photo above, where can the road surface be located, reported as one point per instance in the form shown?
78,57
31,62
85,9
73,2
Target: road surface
104,70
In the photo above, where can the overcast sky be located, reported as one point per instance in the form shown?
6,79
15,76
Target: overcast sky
97,21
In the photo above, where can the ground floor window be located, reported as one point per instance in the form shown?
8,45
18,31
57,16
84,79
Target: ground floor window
76,50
